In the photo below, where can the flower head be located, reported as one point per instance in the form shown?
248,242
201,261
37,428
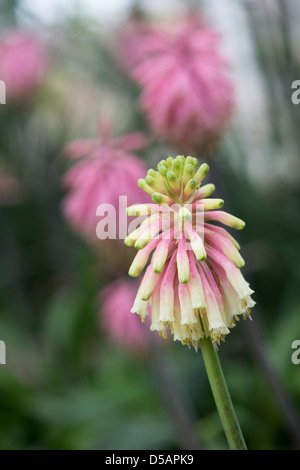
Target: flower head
193,281
23,62
186,94
107,168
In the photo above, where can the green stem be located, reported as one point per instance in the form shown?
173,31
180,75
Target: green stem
221,395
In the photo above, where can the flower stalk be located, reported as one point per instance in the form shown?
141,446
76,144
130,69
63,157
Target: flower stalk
221,395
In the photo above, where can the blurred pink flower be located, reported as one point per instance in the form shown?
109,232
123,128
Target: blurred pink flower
23,61
185,93
116,320
108,170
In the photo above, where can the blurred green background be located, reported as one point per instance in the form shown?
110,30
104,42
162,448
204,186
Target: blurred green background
66,384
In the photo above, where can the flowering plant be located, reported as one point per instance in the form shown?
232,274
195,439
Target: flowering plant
193,282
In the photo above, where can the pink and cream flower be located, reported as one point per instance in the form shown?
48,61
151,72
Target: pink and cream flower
193,281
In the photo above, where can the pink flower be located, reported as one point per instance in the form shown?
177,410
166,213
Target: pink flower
193,282
107,168
121,326
185,94
22,63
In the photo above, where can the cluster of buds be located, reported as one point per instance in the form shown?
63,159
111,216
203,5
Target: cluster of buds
193,282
